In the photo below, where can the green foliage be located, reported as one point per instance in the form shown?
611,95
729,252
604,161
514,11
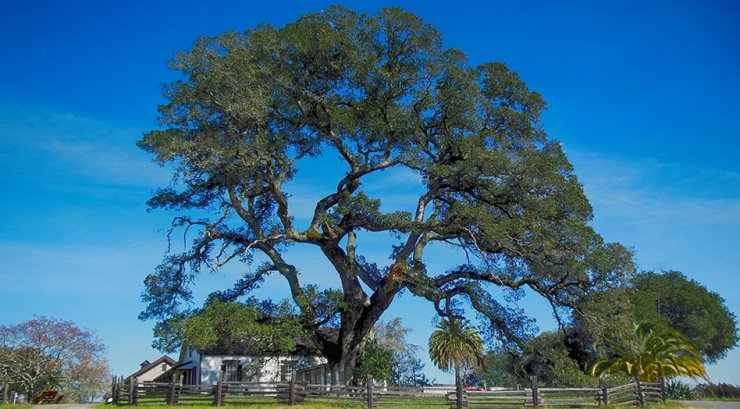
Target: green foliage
677,390
717,391
545,356
376,360
455,345
406,369
378,92
224,325
672,300
656,353
602,324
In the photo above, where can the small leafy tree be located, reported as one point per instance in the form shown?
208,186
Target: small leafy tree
455,346
376,360
406,368
47,352
389,357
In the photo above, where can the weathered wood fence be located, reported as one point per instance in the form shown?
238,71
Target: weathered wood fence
371,396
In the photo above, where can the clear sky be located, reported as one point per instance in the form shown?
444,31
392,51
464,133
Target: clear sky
643,95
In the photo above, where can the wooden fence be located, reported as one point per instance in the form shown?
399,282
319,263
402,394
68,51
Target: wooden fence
371,396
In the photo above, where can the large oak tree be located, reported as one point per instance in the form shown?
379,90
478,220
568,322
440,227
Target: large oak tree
378,91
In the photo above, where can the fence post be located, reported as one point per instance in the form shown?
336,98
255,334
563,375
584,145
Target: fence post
119,388
535,392
217,398
370,397
5,393
134,391
116,392
172,397
604,391
113,382
131,391
640,396
291,391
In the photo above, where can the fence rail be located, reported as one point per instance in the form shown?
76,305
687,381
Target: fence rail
133,391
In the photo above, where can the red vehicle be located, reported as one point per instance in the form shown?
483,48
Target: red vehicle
474,388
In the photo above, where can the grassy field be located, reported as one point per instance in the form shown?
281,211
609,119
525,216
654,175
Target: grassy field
249,406
669,405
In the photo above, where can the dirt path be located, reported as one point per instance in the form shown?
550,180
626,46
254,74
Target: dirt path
712,404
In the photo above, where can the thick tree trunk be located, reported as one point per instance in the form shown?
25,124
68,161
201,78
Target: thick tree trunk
362,311
356,324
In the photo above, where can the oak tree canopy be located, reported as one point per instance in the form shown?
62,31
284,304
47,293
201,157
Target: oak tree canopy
379,92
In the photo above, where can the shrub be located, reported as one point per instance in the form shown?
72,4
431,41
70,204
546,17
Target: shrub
678,390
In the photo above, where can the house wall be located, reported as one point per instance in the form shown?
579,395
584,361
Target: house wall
156,371
254,369
192,356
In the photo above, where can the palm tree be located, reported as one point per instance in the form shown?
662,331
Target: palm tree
659,354
455,345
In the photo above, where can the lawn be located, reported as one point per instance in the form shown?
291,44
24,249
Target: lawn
235,406
669,405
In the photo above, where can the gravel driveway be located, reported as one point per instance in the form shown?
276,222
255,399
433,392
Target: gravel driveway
712,404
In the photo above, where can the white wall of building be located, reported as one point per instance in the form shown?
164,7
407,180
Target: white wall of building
254,369
151,374
205,369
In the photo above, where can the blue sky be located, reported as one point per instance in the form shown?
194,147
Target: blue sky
643,95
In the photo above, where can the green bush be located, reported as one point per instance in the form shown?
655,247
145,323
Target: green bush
678,390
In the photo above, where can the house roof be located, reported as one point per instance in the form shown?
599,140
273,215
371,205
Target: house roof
144,369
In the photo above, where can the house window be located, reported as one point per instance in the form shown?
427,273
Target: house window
287,369
230,370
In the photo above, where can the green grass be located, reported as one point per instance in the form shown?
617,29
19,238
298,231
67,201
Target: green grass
237,406
669,405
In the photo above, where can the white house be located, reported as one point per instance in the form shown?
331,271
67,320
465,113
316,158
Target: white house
204,367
